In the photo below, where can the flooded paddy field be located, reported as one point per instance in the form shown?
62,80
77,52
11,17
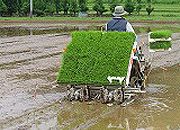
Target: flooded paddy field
28,67
158,109
22,29
31,99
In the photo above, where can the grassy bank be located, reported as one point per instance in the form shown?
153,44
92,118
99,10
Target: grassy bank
132,18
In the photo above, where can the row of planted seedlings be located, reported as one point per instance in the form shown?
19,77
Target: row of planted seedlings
93,56
160,40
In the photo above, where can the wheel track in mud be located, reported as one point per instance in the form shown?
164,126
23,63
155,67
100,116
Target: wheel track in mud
29,60
25,62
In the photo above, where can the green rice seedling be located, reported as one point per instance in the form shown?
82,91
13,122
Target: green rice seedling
160,45
161,34
92,56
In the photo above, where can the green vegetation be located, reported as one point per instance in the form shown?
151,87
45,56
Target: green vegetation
83,6
139,6
113,4
161,34
65,7
129,6
99,7
73,9
3,7
160,45
149,7
166,1
92,56
165,10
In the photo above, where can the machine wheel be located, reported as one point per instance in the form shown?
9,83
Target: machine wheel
104,95
84,94
119,96
133,81
81,95
70,93
143,85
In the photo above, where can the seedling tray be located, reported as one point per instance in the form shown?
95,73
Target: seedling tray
160,40
160,46
92,56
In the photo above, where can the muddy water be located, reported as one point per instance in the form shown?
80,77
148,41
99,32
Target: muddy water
158,109
22,31
29,98
28,93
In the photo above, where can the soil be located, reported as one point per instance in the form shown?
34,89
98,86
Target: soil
78,23
28,67
29,95
86,21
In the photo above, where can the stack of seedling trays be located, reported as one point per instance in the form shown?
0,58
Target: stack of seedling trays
160,40
92,56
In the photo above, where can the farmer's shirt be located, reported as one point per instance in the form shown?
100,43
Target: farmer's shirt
119,24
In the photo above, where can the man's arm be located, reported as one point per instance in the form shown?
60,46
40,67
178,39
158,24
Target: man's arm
129,28
106,27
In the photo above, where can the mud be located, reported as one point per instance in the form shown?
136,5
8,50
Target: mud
82,22
158,109
28,67
31,99
9,30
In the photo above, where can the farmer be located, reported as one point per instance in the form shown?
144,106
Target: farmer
118,23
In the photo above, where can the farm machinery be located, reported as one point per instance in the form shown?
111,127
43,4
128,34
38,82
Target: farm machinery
96,67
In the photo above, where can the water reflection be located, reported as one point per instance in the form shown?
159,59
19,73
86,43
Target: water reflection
14,31
20,31
158,109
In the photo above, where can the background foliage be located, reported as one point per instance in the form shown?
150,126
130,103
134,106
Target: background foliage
72,7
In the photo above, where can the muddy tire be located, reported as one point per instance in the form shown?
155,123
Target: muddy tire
133,81
104,96
81,99
143,86
103,100
119,97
